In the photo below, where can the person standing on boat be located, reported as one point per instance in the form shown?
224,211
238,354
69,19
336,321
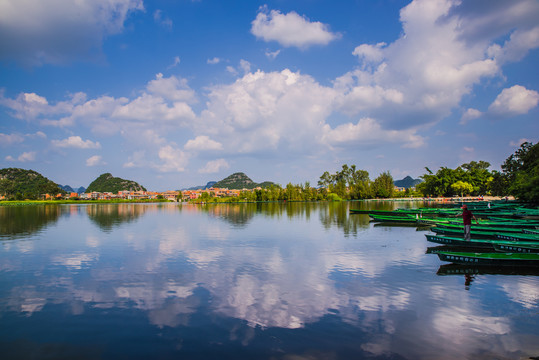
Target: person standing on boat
467,222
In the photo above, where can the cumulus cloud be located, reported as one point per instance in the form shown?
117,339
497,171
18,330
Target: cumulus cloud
166,100
214,166
370,53
267,111
245,66
488,21
422,75
76,142
203,143
470,114
24,157
34,32
94,161
173,159
213,61
516,100
290,29
171,88
367,132
10,139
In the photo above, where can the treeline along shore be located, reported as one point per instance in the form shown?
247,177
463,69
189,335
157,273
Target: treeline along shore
518,178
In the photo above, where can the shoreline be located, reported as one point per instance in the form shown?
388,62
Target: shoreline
125,201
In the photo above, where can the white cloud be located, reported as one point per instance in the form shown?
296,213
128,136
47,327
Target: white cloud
267,111
422,75
470,114
7,140
27,156
174,160
136,160
203,143
76,142
290,29
213,61
176,62
171,88
24,157
245,66
518,45
214,166
368,132
94,161
360,98
370,53
162,20
39,134
232,70
35,32
272,54
149,109
516,100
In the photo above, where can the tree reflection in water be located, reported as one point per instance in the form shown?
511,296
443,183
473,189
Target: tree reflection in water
21,221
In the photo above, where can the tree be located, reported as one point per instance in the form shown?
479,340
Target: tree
462,187
383,185
522,172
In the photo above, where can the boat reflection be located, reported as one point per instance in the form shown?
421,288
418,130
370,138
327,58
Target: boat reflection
455,269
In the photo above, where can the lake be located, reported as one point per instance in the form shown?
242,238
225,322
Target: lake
246,281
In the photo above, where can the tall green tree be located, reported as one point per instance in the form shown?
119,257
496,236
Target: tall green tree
522,172
383,185
462,187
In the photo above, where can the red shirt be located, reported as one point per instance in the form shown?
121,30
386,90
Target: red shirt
467,217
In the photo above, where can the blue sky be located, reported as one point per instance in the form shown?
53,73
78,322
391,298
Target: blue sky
174,94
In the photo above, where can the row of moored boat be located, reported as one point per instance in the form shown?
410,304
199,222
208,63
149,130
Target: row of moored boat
506,233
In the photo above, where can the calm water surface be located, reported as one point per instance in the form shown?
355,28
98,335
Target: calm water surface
247,281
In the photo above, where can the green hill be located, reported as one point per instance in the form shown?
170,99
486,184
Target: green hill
240,181
26,184
108,183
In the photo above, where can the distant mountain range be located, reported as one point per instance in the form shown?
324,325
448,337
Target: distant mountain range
407,182
203,187
13,181
236,181
69,189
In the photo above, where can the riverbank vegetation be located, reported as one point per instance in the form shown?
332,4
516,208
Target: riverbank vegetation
519,177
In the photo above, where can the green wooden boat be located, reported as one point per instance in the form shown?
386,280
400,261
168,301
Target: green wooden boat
459,241
475,234
516,247
484,243
394,219
460,227
518,237
505,224
490,259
